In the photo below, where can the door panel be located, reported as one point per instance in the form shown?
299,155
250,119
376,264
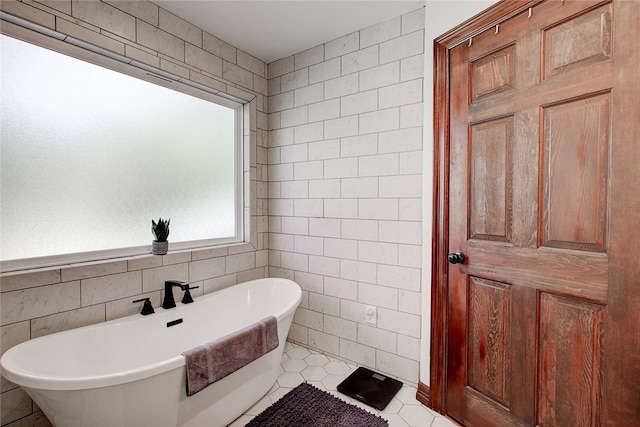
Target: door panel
589,35
493,73
490,181
530,137
575,162
570,370
489,339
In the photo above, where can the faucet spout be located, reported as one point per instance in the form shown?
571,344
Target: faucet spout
168,301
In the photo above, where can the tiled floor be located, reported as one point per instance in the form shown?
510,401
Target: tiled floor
300,364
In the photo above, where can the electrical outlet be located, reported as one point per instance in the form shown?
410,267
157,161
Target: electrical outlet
371,314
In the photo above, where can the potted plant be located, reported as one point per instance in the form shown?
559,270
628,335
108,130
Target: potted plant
160,229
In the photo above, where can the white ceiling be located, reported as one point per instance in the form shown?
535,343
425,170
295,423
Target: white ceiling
271,30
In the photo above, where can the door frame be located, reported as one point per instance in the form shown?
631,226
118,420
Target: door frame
494,15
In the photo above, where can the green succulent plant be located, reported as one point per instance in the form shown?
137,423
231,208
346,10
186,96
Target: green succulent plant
160,229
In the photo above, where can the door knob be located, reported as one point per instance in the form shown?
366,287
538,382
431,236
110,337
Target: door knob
455,258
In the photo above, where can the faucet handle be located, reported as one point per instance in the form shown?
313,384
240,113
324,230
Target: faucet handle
147,308
187,298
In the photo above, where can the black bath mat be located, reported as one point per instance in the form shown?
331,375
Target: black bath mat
308,406
370,387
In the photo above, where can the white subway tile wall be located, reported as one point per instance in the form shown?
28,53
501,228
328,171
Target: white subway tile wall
345,188
334,159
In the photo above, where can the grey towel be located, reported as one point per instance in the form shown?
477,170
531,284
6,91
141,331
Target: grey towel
213,361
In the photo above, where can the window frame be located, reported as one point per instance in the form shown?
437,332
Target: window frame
67,45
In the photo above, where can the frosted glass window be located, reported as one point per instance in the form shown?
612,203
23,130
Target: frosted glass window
90,155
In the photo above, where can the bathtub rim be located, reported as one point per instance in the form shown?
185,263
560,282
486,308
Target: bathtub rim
63,383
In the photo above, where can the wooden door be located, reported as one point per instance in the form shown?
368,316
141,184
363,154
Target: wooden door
543,196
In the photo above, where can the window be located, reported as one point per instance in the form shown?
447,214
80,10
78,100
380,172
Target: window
90,155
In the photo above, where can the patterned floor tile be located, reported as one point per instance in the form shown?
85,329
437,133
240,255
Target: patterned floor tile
301,364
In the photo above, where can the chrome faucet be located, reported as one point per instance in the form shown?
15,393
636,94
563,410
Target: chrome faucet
168,301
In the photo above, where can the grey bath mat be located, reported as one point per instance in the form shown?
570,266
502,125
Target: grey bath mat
308,406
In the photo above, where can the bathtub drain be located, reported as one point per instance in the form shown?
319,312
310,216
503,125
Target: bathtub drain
174,322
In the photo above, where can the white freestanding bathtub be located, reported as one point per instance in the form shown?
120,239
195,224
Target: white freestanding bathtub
131,372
